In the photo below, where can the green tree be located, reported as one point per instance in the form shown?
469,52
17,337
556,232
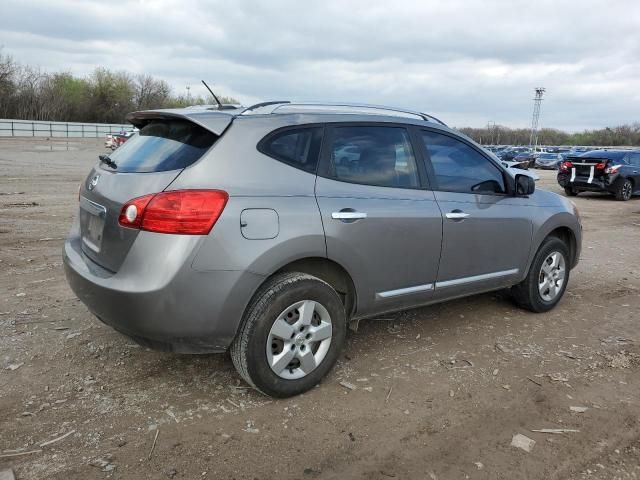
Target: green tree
110,96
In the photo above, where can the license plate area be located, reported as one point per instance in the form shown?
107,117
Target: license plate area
92,218
583,170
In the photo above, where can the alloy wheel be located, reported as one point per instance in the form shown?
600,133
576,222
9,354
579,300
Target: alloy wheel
552,276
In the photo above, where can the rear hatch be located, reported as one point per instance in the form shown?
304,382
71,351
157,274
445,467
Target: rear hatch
147,163
587,168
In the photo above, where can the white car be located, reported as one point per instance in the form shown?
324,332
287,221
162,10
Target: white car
108,141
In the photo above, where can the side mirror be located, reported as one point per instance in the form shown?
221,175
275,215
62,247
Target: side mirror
525,185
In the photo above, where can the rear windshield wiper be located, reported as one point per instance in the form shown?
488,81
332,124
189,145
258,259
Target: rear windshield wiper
107,160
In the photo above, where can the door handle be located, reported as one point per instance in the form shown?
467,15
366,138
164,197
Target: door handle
348,215
456,215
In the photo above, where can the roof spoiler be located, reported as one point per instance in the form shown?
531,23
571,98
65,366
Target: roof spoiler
214,122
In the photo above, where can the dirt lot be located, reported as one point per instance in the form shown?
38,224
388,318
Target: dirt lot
440,391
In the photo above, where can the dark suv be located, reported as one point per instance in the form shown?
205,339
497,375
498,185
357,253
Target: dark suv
612,171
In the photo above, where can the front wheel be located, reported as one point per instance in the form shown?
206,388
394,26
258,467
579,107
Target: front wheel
570,191
547,279
624,190
291,335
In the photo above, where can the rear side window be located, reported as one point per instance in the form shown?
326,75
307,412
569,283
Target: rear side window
298,147
372,155
163,145
634,159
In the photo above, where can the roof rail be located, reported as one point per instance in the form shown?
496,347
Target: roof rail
264,104
435,119
423,116
224,106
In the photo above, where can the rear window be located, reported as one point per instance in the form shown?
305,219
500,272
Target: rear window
611,156
163,145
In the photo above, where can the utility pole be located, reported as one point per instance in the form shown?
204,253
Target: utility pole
494,131
537,103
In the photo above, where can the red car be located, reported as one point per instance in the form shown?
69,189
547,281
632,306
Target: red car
118,139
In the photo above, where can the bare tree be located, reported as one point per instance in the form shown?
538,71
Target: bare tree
150,92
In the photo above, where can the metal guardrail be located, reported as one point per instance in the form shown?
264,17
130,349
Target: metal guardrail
25,128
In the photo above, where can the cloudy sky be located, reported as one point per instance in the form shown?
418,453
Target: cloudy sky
468,62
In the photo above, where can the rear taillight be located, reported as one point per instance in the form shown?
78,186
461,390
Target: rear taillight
133,211
565,166
612,169
601,165
186,212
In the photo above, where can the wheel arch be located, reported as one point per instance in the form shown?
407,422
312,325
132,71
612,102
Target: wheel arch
568,237
329,271
564,232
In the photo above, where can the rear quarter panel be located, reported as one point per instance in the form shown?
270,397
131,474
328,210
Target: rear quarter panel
255,181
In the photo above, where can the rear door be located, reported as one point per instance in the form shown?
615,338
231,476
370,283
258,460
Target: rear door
634,162
486,234
381,222
147,163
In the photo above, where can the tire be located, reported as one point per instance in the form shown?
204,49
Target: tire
570,191
259,342
528,294
624,190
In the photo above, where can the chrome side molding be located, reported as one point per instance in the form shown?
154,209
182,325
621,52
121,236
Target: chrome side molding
405,291
476,278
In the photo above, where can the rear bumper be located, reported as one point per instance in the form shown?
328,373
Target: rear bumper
161,303
597,184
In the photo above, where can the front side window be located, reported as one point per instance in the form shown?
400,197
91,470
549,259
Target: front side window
374,155
298,147
460,168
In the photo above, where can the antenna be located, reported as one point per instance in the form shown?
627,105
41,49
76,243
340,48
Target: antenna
214,95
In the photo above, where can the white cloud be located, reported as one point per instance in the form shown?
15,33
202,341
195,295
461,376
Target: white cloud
465,61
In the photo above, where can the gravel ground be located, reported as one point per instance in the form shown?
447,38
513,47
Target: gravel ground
440,391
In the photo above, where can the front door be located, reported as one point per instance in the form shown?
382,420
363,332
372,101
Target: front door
380,222
487,234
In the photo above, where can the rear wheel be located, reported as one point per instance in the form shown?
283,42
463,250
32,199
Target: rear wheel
291,335
547,279
570,191
624,190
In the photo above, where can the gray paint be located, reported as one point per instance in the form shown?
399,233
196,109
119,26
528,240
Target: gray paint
191,291
396,246
259,223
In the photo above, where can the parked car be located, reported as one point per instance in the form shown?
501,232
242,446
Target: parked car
522,165
612,171
236,228
548,161
108,141
526,158
511,152
119,138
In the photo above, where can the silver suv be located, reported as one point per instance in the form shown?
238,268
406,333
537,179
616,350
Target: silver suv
267,229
